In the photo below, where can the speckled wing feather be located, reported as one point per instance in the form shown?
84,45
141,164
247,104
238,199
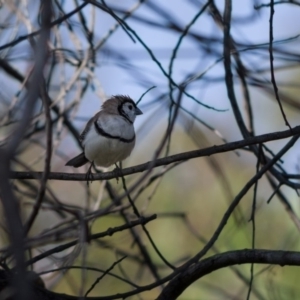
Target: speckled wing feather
88,127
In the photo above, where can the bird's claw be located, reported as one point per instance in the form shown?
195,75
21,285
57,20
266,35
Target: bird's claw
89,175
118,172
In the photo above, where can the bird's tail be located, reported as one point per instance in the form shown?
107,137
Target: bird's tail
77,161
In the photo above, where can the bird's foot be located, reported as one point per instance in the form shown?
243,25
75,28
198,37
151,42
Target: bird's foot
89,175
118,172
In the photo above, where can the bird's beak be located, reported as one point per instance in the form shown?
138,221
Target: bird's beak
138,111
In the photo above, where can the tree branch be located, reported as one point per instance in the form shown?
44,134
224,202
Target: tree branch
219,261
166,160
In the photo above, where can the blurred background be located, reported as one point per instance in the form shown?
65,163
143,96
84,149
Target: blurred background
168,45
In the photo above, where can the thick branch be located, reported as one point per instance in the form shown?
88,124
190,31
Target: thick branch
184,280
219,261
166,160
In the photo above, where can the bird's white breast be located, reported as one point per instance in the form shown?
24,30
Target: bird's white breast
106,151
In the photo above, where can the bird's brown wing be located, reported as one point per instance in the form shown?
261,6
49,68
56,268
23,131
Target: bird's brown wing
88,126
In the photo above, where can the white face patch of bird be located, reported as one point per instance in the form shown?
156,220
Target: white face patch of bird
129,110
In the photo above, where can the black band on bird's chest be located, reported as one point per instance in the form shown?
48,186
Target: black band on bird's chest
101,131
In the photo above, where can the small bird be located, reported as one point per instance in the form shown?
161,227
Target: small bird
109,135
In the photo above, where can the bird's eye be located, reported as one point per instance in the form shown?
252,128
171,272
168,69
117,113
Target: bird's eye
130,107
